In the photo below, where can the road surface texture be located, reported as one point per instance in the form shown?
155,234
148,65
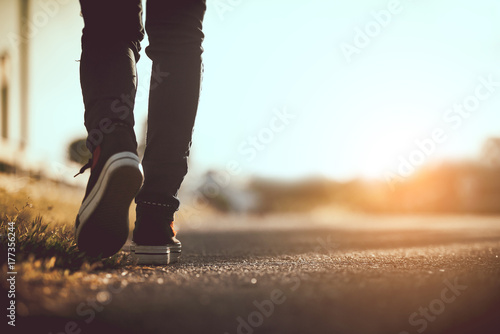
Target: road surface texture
291,274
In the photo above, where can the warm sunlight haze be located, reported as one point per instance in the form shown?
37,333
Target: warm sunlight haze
341,113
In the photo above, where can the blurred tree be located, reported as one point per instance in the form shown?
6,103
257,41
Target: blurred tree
78,151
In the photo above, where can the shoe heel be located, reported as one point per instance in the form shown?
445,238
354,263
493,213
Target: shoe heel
155,255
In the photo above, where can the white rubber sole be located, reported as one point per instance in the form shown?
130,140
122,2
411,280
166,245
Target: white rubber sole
103,216
155,255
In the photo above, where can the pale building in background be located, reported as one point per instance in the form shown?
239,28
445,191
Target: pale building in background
41,109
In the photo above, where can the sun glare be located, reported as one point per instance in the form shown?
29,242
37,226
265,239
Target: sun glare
387,145
382,152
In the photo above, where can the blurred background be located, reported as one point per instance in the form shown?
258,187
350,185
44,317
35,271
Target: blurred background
317,106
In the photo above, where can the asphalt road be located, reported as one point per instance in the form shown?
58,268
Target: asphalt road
291,274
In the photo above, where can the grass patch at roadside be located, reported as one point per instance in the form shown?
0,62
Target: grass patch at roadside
46,244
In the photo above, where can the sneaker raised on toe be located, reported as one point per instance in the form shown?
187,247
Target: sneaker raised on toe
102,223
154,240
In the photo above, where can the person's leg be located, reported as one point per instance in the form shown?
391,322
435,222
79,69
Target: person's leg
174,28
110,49
175,37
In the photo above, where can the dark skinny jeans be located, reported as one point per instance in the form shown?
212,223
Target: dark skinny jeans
110,50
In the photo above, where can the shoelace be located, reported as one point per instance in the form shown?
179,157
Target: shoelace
84,168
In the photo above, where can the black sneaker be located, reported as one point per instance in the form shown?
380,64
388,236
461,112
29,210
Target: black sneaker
154,240
102,223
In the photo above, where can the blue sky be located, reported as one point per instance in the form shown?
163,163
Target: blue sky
353,117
